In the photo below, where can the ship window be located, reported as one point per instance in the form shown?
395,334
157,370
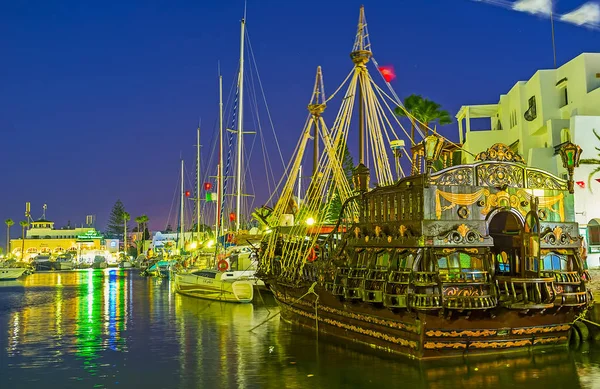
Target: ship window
386,209
410,205
395,208
406,260
383,259
555,262
458,262
502,263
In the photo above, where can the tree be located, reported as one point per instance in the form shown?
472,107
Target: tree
145,219
334,205
126,218
24,224
138,220
114,228
425,111
9,223
592,161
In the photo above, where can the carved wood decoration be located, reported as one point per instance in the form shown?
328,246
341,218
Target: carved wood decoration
518,201
499,153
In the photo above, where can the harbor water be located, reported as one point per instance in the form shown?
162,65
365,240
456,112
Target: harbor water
113,328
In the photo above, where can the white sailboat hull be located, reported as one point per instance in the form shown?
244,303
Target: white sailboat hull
11,273
214,288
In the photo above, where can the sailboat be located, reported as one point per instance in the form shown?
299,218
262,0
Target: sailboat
220,281
451,260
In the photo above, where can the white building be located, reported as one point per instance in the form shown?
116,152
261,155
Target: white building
535,117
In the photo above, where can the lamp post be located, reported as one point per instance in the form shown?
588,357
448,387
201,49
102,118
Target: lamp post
433,145
570,154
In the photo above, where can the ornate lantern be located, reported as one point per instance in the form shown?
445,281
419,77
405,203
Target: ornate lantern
570,154
433,145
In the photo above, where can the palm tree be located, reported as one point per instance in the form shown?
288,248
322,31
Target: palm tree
139,221
411,107
144,228
126,218
592,161
23,223
423,111
9,223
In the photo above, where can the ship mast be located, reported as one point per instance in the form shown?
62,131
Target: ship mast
316,107
181,222
360,55
219,216
240,129
198,185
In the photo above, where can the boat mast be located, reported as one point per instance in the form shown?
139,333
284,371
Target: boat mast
316,107
198,185
240,129
360,56
219,223
181,222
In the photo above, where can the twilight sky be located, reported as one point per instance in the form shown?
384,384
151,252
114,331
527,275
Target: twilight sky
98,99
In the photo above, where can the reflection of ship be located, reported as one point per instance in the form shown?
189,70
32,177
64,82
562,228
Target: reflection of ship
464,259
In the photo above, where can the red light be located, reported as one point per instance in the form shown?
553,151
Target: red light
581,184
232,216
597,179
207,186
187,193
387,72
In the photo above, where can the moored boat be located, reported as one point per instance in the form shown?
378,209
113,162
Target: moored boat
214,285
11,273
467,259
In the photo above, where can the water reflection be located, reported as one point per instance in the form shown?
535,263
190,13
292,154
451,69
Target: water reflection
107,328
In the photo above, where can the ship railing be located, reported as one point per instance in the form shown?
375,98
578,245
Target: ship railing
470,302
336,282
354,283
572,299
374,285
425,301
425,278
563,277
526,293
472,277
397,289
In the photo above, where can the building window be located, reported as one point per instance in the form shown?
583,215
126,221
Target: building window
593,232
531,112
565,135
564,97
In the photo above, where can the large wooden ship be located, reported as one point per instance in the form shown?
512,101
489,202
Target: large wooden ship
450,260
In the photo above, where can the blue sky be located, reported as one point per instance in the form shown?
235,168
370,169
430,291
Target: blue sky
99,99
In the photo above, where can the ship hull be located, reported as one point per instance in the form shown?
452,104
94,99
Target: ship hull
424,335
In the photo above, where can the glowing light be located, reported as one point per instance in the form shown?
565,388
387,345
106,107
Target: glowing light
192,246
310,221
210,243
387,72
187,193
207,186
581,184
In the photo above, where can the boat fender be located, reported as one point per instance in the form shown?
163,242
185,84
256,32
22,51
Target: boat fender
312,255
222,265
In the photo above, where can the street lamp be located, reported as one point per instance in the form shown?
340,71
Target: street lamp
570,154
